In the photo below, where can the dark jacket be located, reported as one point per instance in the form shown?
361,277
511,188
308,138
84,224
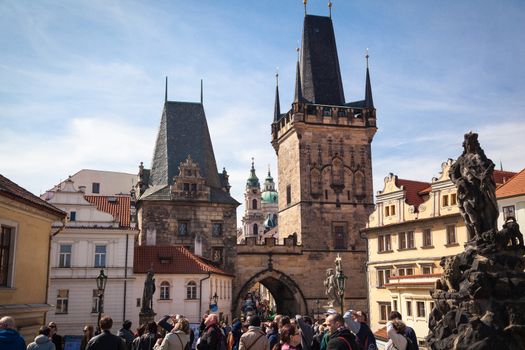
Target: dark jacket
211,338
410,334
11,340
106,341
58,340
127,336
145,342
348,343
273,338
307,333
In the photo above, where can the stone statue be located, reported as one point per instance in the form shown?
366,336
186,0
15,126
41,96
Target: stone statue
149,290
472,175
330,284
480,300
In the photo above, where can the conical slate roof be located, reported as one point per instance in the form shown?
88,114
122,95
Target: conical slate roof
183,131
320,72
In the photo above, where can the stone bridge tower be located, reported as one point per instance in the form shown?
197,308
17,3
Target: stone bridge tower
323,146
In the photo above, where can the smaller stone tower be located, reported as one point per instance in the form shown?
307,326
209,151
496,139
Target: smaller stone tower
253,218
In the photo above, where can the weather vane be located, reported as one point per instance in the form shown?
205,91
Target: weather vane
366,56
304,3
330,8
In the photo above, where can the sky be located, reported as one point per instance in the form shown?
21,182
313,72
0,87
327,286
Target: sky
82,82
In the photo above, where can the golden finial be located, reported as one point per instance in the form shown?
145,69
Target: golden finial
330,8
305,2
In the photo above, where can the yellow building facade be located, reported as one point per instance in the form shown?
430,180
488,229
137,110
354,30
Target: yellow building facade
26,229
413,226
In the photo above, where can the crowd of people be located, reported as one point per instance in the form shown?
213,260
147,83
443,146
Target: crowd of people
173,332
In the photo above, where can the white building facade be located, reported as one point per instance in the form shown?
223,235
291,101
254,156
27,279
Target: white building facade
92,240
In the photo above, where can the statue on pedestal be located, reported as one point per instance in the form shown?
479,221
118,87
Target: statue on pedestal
146,311
330,284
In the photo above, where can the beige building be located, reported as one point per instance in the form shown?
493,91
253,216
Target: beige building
412,227
25,236
101,182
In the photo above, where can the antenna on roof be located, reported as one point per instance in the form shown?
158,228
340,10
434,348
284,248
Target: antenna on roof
304,3
201,92
330,8
166,91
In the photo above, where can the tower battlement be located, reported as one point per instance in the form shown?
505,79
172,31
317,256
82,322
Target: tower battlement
270,245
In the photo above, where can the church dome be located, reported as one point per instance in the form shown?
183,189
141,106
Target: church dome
253,180
270,196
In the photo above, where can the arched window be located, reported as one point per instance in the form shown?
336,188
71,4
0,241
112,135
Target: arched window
255,229
191,290
164,290
254,204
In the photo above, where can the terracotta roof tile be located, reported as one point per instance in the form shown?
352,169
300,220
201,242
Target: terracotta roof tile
381,334
411,190
513,187
171,259
501,176
118,206
9,189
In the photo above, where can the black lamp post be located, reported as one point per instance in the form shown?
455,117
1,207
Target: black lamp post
341,279
215,298
317,302
101,287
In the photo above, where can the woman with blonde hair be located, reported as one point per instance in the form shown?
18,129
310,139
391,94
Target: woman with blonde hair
177,338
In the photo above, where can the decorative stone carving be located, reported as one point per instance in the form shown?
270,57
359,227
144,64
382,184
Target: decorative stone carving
480,300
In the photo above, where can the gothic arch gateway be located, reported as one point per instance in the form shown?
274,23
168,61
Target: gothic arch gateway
288,296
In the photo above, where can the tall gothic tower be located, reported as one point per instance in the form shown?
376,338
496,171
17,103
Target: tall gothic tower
323,148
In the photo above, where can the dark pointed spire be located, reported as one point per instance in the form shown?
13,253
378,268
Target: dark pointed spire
277,109
201,93
298,88
369,101
166,90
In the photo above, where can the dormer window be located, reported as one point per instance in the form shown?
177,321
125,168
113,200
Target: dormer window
390,210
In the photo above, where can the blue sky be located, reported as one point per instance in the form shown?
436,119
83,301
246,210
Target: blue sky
83,81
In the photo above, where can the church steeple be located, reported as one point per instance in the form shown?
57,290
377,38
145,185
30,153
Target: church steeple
298,88
277,108
253,180
369,101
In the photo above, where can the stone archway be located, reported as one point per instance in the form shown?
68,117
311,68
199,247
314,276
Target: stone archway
289,298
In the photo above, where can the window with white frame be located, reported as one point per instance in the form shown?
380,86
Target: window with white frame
509,211
6,254
427,269
100,256
451,234
383,276
405,271
409,308
64,258
62,301
420,307
390,210
406,240
191,290
164,290
427,237
385,308
384,243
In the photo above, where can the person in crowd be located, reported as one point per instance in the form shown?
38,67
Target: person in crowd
42,340
212,337
254,338
105,340
409,331
169,321
355,321
397,340
126,333
89,332
147,340
272,333
178,338
202,326
10,339
290,338
58,340
307,331
340,337
235,335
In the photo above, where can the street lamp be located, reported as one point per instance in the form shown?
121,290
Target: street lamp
340,282
317,302
101,286
215,298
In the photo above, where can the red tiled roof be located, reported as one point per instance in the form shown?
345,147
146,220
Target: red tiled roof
411,190
513,187
171,259
501,176
118,206
9,189
381,334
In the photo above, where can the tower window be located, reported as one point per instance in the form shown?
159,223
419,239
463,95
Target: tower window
288,194
254,204
95,187
255,229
